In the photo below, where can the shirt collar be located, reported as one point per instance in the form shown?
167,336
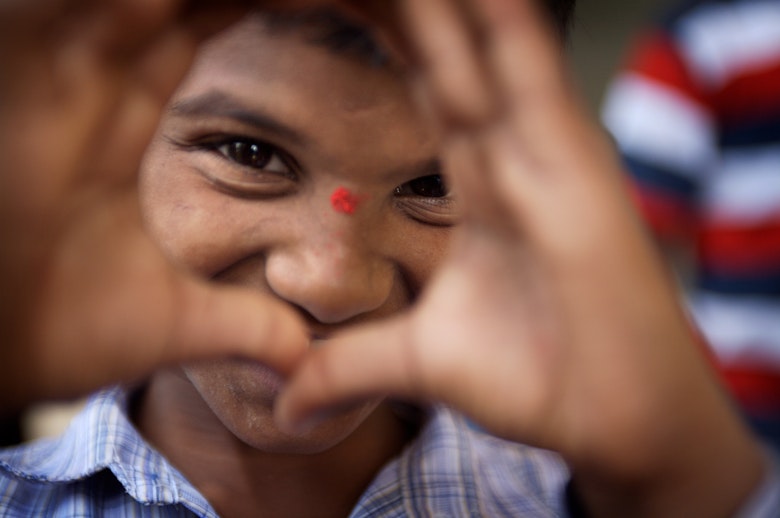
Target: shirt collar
454,469
434,473
450,469
103,437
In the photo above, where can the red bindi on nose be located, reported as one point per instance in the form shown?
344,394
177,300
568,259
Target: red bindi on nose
342,200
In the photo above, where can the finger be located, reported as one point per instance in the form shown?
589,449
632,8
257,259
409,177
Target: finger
125,340
523,150
221,321
19,17
527,63
373,361
118,145
524,52
386,19
126,27
96,117
465,161
121,27
445,46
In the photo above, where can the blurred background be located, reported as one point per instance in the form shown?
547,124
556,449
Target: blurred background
602,30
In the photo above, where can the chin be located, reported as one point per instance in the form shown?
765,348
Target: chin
262,433
241,396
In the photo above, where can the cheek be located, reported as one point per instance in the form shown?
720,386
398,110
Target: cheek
195,226
187,231
419,250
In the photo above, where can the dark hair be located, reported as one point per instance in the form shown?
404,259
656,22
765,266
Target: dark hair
562,12
341,34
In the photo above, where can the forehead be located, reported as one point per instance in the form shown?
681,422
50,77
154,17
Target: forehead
287,61
339,103
346,114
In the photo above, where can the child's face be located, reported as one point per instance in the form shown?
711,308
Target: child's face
238,186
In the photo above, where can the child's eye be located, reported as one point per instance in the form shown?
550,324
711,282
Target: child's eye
242,166
431,186
256,155
427,199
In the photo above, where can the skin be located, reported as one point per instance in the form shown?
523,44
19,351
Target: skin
549,320
83,283
270,225
577,342
87,80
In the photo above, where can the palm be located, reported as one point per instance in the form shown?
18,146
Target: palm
536,316
485,328
88,298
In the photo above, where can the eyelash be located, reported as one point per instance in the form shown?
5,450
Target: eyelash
241,150
225,168
418,186
434,210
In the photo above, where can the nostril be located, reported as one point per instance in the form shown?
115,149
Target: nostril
309,319
329,287
318,331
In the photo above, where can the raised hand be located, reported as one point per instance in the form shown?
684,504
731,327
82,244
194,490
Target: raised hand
87,298
552,321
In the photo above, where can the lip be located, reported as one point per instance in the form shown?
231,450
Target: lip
266,377
257,381
270,378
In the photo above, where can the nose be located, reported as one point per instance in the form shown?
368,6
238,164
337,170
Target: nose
334,276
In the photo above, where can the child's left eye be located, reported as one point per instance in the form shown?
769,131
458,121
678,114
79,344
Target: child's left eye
256,155
427,199
431,186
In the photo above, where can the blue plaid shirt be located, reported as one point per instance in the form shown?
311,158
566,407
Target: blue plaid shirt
101,466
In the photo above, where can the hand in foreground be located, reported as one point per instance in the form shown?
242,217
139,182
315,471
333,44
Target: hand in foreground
551,322
87,298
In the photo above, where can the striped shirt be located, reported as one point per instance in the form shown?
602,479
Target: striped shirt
101,466
696,115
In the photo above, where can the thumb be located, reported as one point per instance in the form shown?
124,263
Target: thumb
370,361
216,320
125,338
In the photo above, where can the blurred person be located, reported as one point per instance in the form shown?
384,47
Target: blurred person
696,114
474,253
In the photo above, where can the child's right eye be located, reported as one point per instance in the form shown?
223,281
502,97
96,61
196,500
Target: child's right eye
253,154
242,166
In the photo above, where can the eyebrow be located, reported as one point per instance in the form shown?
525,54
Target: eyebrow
216,103
414,170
